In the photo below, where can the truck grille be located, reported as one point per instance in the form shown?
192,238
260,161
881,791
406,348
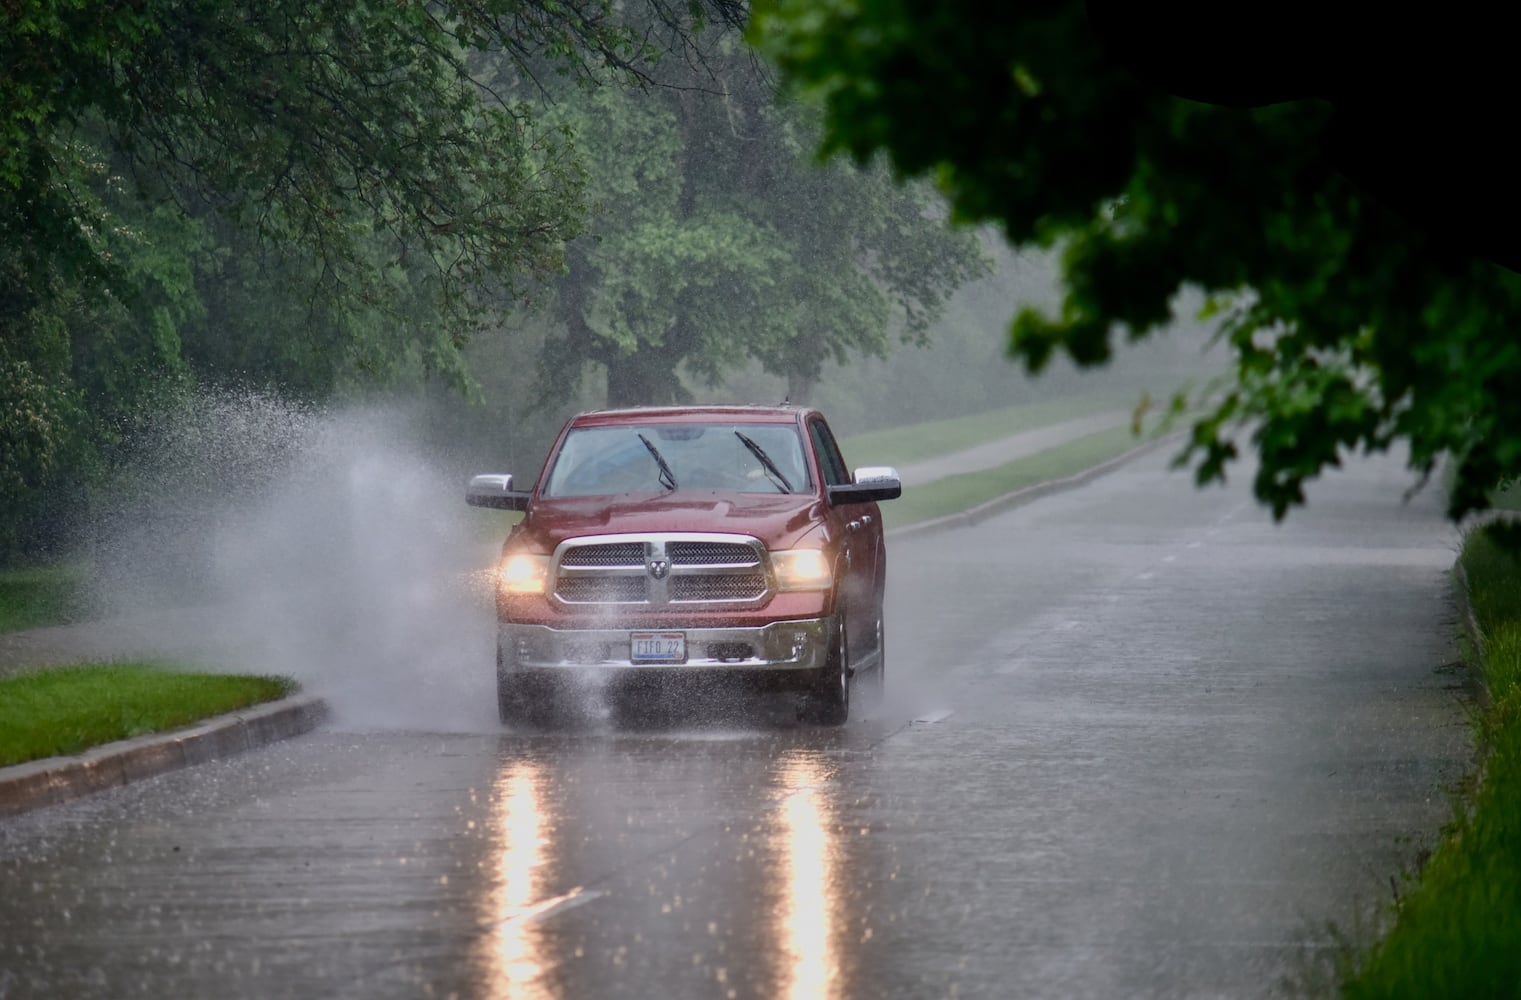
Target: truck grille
617,554
696,553
602,590
661,569
735,587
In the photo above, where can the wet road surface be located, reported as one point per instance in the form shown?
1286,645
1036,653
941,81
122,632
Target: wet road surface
1139,742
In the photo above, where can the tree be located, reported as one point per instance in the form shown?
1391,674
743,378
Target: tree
1352,327
298,191
716,240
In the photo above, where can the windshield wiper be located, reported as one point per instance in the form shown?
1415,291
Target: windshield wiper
667,478
765,460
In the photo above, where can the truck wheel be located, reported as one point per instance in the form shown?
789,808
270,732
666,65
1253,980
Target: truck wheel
874,682
511,700
514,699
828,703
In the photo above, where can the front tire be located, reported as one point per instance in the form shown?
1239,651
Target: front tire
515,701
512,706
874,682
828,703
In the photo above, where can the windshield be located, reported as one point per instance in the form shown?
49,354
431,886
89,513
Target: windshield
660,458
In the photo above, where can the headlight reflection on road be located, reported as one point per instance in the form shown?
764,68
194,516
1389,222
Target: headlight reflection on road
810,906
515,961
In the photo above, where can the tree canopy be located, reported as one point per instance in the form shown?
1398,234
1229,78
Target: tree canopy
314,195
306,193
716,240
1352,326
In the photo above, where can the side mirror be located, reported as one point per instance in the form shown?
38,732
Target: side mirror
496,492
872,483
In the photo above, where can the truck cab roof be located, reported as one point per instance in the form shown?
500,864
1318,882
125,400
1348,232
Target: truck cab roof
749,413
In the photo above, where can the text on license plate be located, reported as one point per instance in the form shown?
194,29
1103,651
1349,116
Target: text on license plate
658,647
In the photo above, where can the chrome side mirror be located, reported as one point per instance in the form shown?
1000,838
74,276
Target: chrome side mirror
872,483
877,474
495,491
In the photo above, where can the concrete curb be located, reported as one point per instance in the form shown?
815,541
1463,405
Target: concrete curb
40,783
1465,608
1028,493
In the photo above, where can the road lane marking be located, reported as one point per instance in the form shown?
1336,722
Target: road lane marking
939,715
545,908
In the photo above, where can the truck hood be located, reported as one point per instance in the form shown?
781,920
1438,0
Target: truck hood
779,521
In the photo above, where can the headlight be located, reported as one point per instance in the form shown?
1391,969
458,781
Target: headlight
524,574
802,569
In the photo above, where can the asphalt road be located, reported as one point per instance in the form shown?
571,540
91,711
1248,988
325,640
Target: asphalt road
1139,742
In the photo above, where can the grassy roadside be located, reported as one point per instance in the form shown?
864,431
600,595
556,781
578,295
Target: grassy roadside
1458,932
44,595
903,445
66,710
957,493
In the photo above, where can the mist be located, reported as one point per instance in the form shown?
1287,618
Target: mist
262,536
333,545
249,532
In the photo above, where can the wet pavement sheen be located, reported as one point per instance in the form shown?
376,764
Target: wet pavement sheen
1139,742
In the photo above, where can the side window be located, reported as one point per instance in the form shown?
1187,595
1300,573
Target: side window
835,473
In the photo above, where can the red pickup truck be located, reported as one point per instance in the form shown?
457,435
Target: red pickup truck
711,540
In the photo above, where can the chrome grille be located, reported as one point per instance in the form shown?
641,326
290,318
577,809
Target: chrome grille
711,553
619,554
729,587
661,569
602,590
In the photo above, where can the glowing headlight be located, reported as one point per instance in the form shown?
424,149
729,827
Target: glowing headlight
802,569
525,574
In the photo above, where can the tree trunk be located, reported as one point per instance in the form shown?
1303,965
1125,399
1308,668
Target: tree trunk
644,378
800,388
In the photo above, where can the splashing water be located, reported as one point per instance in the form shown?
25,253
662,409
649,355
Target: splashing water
329,545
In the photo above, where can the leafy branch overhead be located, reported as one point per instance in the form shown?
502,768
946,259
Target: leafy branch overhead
1351,328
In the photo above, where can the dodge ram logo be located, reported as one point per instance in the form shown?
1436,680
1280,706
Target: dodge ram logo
659,568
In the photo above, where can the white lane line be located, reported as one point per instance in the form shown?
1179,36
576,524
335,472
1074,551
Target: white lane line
1168,559
1145,576
1195,545
939,715
549,907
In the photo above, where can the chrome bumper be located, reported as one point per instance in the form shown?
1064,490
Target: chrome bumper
791,645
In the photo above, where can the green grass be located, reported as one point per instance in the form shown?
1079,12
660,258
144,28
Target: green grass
902,445
957,493
46,595
65,711
1458,932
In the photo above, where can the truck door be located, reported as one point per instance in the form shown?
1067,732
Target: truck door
850,521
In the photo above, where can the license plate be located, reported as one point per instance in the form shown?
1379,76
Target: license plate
658,647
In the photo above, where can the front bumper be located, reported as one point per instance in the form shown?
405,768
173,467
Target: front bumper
780,646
